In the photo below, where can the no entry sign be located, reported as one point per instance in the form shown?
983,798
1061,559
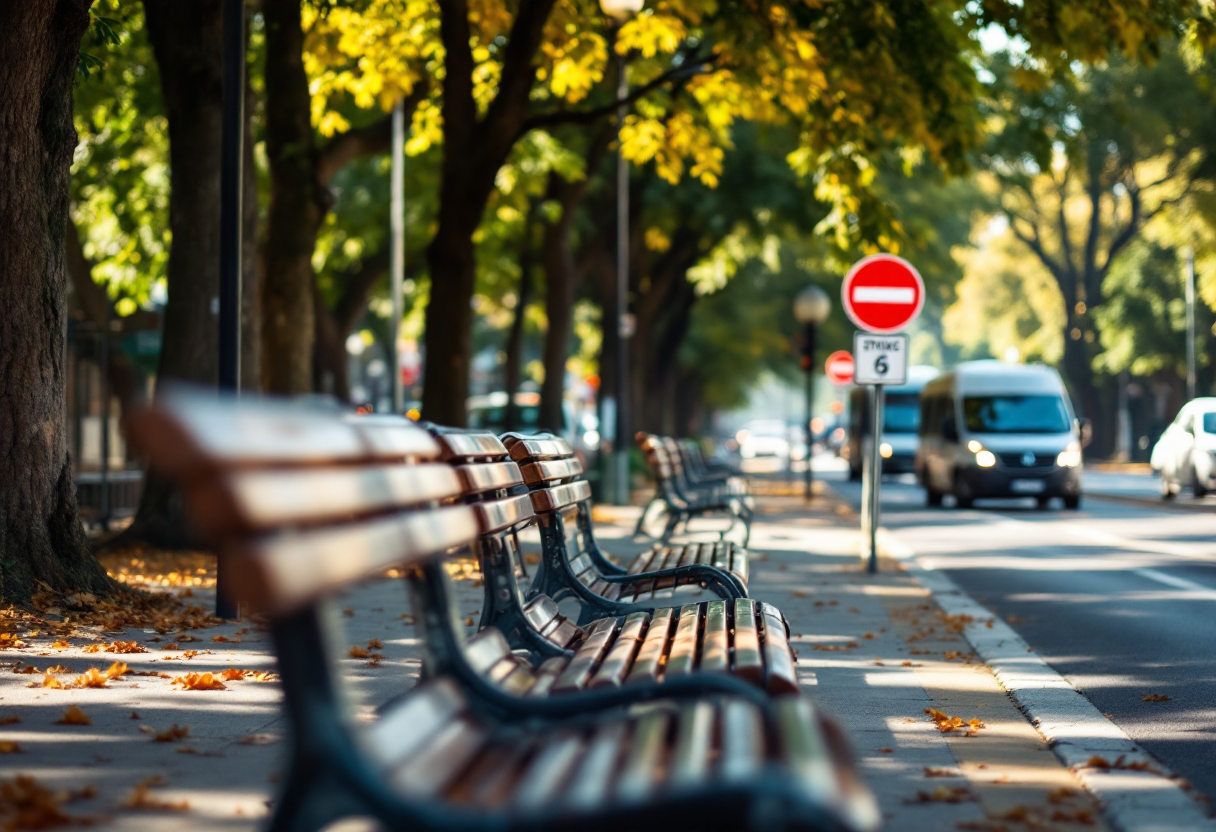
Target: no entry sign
882,293
839,367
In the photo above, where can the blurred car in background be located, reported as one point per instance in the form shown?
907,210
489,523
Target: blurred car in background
1185,455
579,427
765,440
900,424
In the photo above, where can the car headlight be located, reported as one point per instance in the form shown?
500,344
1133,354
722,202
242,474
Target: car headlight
985,459
1070,457
885,450
974,446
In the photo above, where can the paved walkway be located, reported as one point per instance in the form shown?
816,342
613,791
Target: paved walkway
875,651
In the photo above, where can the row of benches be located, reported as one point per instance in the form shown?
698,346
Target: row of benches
688,486
638,713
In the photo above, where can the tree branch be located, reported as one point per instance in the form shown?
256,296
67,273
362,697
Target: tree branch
693,66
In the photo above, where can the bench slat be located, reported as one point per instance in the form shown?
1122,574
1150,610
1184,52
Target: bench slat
683,656
715,652
549,771
433,768
492,476
485,649
538,448
650,656
407,726
461,446
543,471
640,563
589,787
557,497
494,516
742,741
255,501
690,758
587,657
546,675
781,677
190,433
541,613
749,663
620,656
640,772
286,571
804,747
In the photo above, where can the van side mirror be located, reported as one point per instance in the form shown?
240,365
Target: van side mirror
950,430
1086,431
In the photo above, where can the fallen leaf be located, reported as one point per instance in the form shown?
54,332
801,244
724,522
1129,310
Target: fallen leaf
11,719
258,739
30,805
126,647
226,640
199,681
10,747
944,794
173,645
886,751
91,678
93,648
74,716
264,676
931,771
1060,795
48,681
946,723
141,799
60,645
375,662
1154,697
177,732
116,670
868,635
375,644
232,674
358,652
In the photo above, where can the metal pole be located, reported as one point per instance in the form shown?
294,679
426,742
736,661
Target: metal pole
104,499
623,437
879,399
397,254
867,481
232,152
1190,325
810,398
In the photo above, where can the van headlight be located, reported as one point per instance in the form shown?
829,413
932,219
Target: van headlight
885,450
1070,457
985,459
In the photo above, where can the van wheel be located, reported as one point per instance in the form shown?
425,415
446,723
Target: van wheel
1042,502
854,474
1167,488
933,498
1072,503
961,500
1198,487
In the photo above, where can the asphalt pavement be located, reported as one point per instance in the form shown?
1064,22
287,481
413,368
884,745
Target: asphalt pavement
1117,597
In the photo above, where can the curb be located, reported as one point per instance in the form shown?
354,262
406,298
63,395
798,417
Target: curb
1142,796
1165,505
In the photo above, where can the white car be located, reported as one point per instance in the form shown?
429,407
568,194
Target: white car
764,438
1185,455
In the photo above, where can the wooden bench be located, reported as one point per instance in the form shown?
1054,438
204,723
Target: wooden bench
304,503
679,502
562,498
631,642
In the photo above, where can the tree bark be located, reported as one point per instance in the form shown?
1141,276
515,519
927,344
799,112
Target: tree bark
41,538
297,206
514,348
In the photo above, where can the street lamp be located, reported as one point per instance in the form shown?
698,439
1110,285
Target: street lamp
620,11
811,308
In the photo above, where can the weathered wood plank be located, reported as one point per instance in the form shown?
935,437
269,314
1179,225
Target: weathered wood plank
715,648
649,662
683,656
778,657
622,653
749,661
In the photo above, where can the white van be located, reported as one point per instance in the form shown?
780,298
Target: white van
900,423
989,429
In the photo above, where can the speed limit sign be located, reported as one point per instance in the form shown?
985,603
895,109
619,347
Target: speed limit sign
880,359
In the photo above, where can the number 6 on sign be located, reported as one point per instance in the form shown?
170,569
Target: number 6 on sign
880,359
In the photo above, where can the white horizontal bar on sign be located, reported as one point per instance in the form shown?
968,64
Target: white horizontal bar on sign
884,294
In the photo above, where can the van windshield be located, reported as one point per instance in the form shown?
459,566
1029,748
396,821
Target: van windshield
901,413
1015,414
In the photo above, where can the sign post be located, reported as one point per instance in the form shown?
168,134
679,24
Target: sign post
882,294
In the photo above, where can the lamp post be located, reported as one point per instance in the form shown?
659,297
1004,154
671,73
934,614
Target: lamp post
620,11
811,308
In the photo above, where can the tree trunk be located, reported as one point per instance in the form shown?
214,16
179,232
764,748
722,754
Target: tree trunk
41,538
329,360
187,39
514,348
559,309
449,317
297,206
251,266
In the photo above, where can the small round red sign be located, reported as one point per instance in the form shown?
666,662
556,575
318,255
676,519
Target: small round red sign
882,293
839,367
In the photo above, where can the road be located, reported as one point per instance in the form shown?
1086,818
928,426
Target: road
1119,597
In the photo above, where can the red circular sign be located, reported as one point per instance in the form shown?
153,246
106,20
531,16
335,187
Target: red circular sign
882,293
839,367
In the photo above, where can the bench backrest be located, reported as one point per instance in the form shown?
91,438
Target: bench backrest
302,501
551,469
490,481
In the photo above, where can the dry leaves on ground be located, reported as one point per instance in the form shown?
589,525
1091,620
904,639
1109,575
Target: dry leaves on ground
932,771
177,732
140,798
1122,764
358,652
259,739
10,747
199,681
835,648
11,719
1154,697
126,647
946,723
74,716
944,794
27,804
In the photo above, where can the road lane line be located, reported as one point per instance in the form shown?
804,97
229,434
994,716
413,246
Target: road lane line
1176,583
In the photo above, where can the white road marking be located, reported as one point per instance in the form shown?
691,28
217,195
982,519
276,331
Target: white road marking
1177,583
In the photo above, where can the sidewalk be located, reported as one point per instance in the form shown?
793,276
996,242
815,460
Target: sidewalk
875,651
